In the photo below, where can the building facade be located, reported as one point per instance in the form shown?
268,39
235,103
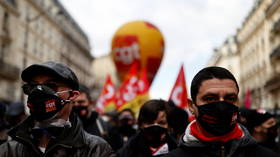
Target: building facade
227,56
258,53
35,31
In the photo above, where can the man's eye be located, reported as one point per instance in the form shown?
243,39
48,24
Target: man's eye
210,99
231,99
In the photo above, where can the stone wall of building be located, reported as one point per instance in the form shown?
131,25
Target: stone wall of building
258,52
35,31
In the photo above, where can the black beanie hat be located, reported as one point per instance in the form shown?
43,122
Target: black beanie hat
254,117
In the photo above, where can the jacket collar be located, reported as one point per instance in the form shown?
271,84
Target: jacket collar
188,140
70,137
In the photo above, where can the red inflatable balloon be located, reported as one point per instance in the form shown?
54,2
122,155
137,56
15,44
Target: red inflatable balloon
138,41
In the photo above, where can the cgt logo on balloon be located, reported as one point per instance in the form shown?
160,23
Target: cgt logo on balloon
137,42
126,50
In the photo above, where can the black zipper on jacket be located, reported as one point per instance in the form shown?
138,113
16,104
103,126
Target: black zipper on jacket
223,151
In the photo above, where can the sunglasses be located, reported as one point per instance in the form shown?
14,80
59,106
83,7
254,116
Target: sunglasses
28,87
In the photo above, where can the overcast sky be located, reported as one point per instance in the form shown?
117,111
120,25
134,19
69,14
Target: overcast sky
191,29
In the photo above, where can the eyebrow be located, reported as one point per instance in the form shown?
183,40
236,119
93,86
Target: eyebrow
215,95
209,94
231,94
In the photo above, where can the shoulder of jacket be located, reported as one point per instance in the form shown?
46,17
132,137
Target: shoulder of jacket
10,147
93,139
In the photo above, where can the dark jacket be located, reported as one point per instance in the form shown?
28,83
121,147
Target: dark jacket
95,125
138,147
190,146
73,142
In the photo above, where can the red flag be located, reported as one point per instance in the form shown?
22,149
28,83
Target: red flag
106,100
128,89
179,93
247,100
142,93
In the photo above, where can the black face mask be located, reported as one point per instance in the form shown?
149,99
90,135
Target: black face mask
79,110
153,135
217,118
44,103
271,135
126,129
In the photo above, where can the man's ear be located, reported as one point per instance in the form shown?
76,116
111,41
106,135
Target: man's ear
74,95
191,105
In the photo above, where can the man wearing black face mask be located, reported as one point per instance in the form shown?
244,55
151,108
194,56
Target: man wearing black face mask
126,124
152,139
215,132
84,108
119,134
52,129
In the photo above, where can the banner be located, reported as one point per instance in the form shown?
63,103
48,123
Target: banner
143,91
128,90
106,100
134,91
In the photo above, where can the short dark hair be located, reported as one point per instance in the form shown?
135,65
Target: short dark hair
207,74
127,110
150,109
84,89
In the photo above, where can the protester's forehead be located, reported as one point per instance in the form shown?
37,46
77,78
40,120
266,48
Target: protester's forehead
218,85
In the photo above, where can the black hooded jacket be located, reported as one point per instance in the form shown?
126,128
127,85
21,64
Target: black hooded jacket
138,147
190,146
73,142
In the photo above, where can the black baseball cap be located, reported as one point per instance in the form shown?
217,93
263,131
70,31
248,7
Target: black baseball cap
55,69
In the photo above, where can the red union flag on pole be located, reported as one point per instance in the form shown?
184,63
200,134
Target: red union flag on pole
128,89
179,93
106,100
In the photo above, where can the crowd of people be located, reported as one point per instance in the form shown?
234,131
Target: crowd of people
63,121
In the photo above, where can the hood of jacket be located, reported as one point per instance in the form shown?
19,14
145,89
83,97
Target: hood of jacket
189,140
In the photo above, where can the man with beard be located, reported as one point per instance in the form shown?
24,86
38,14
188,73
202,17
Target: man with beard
215,132
52,129
84,108
152,138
